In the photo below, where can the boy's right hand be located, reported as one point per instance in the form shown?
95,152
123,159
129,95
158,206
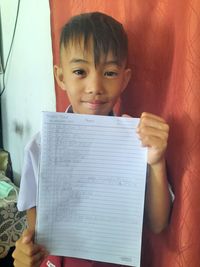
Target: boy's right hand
26,253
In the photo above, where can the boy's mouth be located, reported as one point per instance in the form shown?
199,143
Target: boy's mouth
94,104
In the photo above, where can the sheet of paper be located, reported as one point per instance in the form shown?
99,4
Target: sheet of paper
91,187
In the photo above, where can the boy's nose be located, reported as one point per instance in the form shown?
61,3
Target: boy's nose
95,85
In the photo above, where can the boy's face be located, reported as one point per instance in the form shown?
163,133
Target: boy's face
91,89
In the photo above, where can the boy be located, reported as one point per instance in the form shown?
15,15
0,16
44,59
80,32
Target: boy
93,72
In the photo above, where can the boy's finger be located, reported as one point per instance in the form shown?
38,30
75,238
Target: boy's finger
28,249
154,142
154,124
29,259
126,116
152,116
150,131
17,263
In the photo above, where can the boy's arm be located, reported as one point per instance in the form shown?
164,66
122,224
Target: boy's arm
158,199
31,218
27,253
153,132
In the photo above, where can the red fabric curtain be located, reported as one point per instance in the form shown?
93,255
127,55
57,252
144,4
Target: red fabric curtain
164,54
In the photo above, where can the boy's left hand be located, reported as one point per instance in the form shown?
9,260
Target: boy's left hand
153,132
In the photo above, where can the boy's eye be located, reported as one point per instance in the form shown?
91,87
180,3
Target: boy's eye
79,72
110,74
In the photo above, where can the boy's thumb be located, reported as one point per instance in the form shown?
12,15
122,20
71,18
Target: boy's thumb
28,236
126,116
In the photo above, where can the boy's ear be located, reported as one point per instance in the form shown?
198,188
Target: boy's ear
127,77
59,77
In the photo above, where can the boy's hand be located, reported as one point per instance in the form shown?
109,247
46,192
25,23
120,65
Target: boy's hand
26,253
153,132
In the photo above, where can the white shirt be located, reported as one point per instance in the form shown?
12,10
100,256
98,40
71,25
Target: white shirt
29,178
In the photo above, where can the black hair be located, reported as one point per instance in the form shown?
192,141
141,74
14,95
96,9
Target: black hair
106,32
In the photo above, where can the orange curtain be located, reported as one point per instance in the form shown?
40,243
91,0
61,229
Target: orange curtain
164,53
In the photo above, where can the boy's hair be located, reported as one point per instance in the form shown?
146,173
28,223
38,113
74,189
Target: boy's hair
106,32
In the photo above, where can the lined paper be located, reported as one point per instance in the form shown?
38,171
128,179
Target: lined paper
91,187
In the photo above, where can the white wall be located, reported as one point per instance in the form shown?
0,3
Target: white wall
29,77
